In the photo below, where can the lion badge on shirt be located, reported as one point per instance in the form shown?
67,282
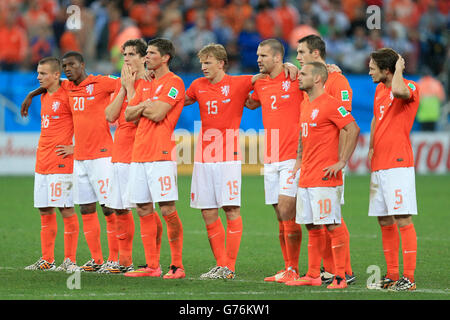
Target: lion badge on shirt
225,90
55,105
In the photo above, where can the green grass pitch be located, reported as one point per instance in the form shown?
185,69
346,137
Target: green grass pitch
259,254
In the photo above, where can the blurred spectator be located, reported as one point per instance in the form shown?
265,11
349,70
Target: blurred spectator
267,23
196,38
288,17
13,44
146,15
42,45
101,31
174,33
396,39
223,32
333,18
34,17
432,95
128,30
171,14
236,13
375,39
248,42
404,11
433,39
356,52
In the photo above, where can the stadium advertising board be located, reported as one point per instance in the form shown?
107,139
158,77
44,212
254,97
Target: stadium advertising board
431,153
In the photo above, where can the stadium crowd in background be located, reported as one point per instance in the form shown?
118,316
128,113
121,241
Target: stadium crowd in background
33,29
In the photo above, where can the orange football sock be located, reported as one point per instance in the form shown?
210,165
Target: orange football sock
234,235
71,232
216,237
113,242
391,243
91,229
175,236
125,235
315,249
293,240
338,247
148,235
328,262
283,244
348,264
159,231
49,228
409,249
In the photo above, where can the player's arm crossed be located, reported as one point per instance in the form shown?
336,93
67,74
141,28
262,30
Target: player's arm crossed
155,110
352,132
399,88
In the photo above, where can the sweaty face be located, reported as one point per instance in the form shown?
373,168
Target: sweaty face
375,72
210,66
132,59
266,59
46,76
304,55
305,78
73,69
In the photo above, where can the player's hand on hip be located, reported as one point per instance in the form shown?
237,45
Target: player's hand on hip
333,170
64,151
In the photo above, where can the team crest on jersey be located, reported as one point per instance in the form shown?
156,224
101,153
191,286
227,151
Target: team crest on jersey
225,90
314,113
286,85
90,88
55,105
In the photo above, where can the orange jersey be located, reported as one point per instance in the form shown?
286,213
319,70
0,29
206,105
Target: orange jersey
56,129
321,122
280,101
88,101
221,106
154,140
394,119
337,86
125,132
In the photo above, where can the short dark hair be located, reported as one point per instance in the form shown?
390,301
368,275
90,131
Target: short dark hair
385,58
319,69
75,54
314,42
275,45
164,46
139,44
54,63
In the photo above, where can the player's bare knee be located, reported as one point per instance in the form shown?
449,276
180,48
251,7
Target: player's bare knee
120,212
107,211
88,208
210,215
232,212
67,212
144,209
403,221
286,208
386,221
167,207
46,211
